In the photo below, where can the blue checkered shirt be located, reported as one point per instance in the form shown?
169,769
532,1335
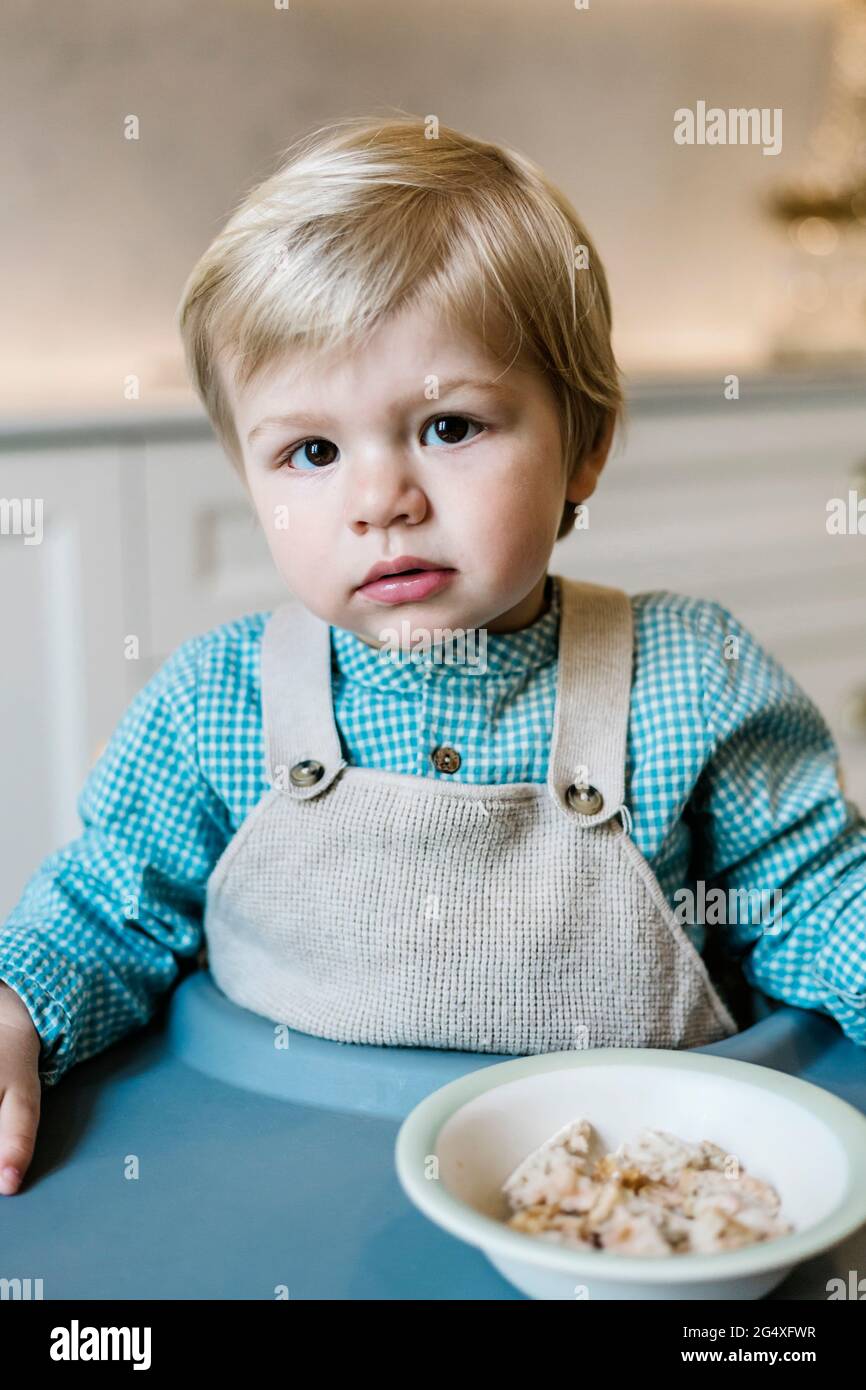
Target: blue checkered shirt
731,789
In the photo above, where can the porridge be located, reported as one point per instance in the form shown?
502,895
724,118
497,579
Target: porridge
654,1195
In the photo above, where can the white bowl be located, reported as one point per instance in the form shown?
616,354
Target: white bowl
458,1146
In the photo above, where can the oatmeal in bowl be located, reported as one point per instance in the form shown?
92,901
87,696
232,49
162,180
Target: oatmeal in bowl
637,1173
655,1195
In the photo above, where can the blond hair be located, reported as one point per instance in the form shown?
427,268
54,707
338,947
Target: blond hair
370,215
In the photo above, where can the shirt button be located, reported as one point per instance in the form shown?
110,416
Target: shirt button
445,759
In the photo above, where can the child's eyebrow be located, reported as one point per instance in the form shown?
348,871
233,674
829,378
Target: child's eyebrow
498,386
305,421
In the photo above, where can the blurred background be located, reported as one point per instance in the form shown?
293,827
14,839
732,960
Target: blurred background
129,133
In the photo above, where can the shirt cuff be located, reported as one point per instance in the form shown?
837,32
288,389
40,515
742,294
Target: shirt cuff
839,968
49,987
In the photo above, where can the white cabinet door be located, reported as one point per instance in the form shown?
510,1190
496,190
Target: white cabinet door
731,504
153,537
206,558
65,681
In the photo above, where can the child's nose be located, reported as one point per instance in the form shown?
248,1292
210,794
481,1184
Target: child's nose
383,489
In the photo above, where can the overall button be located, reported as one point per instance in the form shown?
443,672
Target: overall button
306,773
585,800
445,759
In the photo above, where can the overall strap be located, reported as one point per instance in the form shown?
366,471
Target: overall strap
593,693
302,743
586,770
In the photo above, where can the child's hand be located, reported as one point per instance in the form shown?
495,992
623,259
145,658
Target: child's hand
20,1088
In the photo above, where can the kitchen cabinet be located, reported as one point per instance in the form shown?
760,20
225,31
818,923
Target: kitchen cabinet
148,537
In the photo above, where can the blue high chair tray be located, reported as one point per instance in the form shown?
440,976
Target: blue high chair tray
201,1159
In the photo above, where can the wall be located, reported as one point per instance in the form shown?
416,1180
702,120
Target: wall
99,232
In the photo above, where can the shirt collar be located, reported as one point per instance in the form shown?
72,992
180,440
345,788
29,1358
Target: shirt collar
508,654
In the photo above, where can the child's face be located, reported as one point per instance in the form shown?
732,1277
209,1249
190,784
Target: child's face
358,471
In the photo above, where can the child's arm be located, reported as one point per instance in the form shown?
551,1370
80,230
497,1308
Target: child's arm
95,938
769,814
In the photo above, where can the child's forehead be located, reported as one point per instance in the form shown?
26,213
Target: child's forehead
395,362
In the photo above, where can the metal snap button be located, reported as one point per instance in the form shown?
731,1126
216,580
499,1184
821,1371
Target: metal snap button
445,759
585,800
306,773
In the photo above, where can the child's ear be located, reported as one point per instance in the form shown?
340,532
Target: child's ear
585,474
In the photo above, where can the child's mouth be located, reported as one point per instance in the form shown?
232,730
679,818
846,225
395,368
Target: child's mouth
407,586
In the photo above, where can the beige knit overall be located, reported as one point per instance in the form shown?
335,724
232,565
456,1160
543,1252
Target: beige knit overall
378,907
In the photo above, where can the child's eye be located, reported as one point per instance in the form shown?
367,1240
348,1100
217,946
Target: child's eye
314,452
449,429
